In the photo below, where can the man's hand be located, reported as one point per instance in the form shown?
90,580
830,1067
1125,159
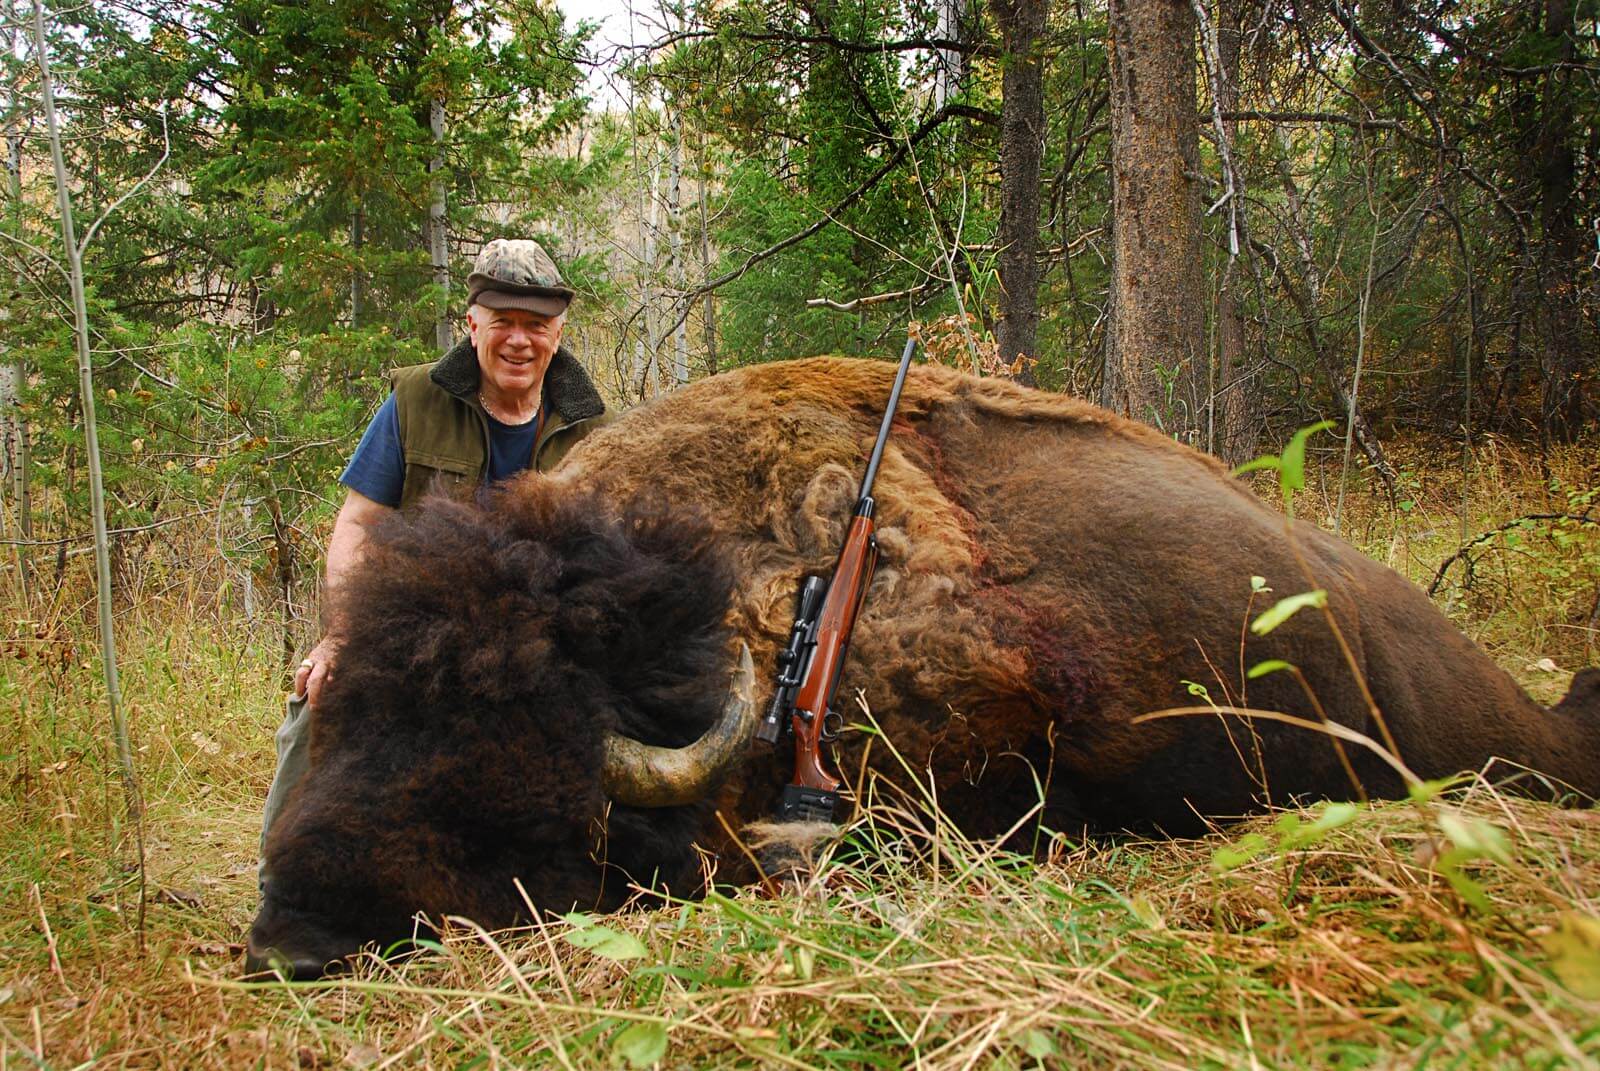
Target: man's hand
344,547
315,670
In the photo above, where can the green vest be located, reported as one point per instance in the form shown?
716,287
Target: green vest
444,432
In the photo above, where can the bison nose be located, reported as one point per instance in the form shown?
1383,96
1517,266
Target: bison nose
263,963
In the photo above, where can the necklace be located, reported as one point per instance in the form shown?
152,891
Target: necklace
492,411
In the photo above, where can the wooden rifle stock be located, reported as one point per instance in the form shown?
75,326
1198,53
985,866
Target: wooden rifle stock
814,661
837,619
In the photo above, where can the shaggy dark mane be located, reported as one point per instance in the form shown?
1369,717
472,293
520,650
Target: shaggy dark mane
527,597
489,647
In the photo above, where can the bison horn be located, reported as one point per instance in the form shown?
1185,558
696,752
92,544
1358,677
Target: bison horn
643,775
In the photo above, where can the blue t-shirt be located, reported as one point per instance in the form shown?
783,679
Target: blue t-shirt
378,467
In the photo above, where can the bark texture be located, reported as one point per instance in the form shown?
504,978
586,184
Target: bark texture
438,233
1022,129
1564,366
1156,340
1236,408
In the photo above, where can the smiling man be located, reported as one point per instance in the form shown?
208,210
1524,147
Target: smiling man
506,399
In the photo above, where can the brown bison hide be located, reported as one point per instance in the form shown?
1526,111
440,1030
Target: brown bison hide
1052,569
1050,572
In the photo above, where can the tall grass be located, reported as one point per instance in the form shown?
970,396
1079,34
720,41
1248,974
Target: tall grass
908,945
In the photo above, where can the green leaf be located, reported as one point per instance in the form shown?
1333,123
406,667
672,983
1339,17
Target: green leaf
1036,1043
1241,851
1574,952
731,907
640,1045
1197,690
1286,608
1332,817
1424,791
1271,665
602,940
1267,461
1258,584
1292,466
1470,891
1474,838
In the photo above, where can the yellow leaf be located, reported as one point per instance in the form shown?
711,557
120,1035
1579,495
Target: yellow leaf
1574,952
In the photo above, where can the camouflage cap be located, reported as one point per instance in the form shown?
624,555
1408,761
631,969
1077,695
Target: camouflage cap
516,273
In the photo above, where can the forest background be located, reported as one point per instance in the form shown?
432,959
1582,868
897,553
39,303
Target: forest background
1225,220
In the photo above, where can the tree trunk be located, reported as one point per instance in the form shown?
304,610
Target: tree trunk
13,376
644,346
1021,149
438,234
709,313
97,495
680,276
950,66
1563,366
1236,411
1156,335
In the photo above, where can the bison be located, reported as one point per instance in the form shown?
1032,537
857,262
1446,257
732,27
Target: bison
537,704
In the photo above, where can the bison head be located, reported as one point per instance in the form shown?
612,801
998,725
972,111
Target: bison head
532,691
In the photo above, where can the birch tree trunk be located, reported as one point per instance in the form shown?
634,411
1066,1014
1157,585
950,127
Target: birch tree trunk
13,376
97,495
951,68
680,277
438,235
708,315
1155,341
1235,407
645,341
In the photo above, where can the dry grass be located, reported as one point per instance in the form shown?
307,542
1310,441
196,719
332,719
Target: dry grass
908,947
1533,592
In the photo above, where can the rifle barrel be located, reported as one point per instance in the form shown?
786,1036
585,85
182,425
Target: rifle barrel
888,418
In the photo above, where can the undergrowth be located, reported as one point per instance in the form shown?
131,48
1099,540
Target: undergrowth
1324,937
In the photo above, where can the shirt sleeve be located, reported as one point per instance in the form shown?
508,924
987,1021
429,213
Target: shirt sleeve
378,467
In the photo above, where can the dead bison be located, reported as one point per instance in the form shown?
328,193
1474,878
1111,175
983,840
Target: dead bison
520,671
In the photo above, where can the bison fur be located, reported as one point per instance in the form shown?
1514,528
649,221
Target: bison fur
1050,572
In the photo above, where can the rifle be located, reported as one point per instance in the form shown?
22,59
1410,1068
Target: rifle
810,665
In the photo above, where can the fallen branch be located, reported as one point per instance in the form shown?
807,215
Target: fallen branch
85,537
1484,537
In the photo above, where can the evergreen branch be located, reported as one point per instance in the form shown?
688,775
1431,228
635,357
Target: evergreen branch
892,161
902,149
166,151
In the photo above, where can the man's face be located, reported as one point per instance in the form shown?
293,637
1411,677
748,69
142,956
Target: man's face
514,347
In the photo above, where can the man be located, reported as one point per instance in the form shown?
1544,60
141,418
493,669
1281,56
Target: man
508,398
